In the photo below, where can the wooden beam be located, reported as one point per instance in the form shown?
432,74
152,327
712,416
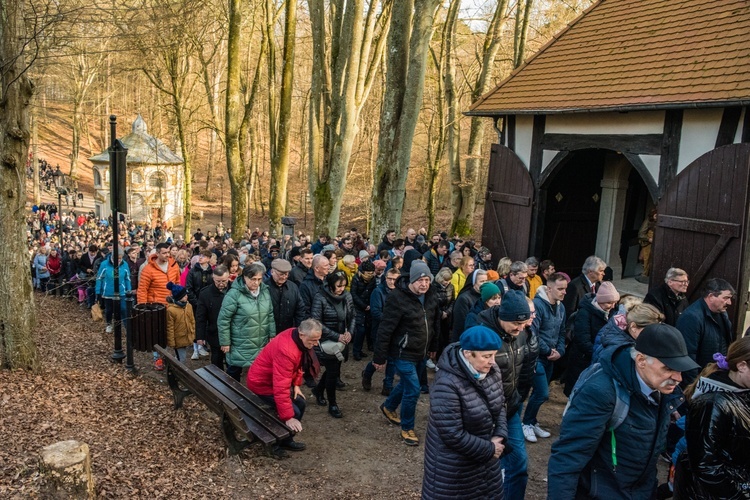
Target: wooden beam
537,152
643,144
551,168
746,125
670,148
730,120
512,133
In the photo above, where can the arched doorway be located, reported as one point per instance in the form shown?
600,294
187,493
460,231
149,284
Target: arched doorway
595,201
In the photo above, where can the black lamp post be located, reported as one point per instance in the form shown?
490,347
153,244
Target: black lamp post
59,180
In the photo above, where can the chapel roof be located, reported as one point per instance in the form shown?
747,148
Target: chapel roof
623,55
143,149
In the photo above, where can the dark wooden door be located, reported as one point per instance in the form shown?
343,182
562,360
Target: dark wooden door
507,209
702,224
572,215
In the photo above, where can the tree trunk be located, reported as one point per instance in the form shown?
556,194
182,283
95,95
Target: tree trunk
521,32
408,42
17,311
76,144
235,165
283,135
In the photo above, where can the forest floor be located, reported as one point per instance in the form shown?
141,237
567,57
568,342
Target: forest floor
141,447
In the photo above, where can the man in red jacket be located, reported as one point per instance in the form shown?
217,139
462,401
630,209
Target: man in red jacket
277,373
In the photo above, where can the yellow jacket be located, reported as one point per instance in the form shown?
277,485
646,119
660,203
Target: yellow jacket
458,280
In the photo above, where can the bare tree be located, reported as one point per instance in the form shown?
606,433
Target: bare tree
409,37
17,311
523,14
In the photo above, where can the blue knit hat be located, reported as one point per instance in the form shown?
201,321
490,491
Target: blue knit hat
178,292
514,307
480,338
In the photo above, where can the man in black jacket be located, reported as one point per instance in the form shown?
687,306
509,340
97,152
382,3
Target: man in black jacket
587,282
287,310
515,358
408,334
669,297
198,278
207,314
312,284
363,285
300,270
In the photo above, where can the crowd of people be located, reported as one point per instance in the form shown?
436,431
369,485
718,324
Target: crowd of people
286,313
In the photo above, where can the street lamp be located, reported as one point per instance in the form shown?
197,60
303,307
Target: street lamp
59,179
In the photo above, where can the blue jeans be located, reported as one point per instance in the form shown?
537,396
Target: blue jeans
406,392
515,464
540,390
390,372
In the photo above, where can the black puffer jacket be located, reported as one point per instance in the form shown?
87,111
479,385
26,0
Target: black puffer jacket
207,315
336,313
513,360
310,287
197,279
589,320
464,415
461,308
298,273
408,328
361,291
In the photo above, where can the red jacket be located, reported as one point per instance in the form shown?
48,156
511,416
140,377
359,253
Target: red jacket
277,368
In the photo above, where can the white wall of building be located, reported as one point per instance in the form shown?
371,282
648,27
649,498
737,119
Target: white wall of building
524,129
699,130
634,122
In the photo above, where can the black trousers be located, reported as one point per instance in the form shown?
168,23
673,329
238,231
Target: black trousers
329,378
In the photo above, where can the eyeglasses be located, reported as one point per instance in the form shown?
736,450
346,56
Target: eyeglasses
681,282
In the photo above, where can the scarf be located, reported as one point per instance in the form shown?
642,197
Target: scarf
310,365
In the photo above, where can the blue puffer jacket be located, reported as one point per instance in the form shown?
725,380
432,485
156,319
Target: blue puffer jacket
458,455
105,279
610,335
549,324
582,461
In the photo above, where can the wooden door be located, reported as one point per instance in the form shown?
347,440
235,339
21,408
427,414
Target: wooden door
572,211
508,205
702,224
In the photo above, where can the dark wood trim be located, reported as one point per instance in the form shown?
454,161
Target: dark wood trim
730,120
538,217
653,188
510,199
500,129
746,125
728,229
552,167
537,152
670,148
512,133
644,144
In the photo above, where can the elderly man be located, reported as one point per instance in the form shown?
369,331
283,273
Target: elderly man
287,310
207,310
587,282
705,325
616,422
516,279
276,376
669,297
313,283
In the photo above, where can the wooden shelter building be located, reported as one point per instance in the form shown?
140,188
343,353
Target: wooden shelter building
636,104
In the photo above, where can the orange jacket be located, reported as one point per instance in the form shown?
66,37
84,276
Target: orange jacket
152,283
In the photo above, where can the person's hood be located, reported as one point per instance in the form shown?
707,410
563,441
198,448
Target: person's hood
478,307
588,304
488,318
612,334
541,292
385,240
718,381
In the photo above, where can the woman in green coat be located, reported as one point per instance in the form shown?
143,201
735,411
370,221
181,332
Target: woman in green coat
246,320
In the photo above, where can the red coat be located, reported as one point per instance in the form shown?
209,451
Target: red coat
277,368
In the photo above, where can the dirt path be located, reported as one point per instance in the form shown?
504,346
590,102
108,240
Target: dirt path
142,447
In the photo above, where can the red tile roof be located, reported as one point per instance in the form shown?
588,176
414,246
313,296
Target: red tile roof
635,54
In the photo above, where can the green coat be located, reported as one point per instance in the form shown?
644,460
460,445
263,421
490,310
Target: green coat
245,323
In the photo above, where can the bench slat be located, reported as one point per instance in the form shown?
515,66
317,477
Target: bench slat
255,407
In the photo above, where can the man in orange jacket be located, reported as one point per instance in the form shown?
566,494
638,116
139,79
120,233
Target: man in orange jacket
152,283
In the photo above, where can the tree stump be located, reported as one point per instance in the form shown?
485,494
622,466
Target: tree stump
66,467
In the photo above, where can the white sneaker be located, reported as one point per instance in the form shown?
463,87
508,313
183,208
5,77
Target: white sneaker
195,355
202,351
528,433
430,364
108,329
540,432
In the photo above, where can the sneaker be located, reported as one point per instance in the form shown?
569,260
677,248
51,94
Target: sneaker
392,416
203,352
366,381
430,364
540,432
195,356
528,433
158,364
409,438
108,329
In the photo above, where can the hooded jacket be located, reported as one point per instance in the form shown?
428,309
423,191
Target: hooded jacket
465,413
549,324
582,463
336,314
152,283
409,330
287,310
105,279
461,307
589,320
705,333
197,279
611,335
180,324
207,315
245,323
310,287
377,303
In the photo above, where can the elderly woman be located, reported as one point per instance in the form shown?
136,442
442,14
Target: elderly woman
245,321
334,308
716,463
467,429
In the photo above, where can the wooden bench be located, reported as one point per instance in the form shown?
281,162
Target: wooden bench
245,418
